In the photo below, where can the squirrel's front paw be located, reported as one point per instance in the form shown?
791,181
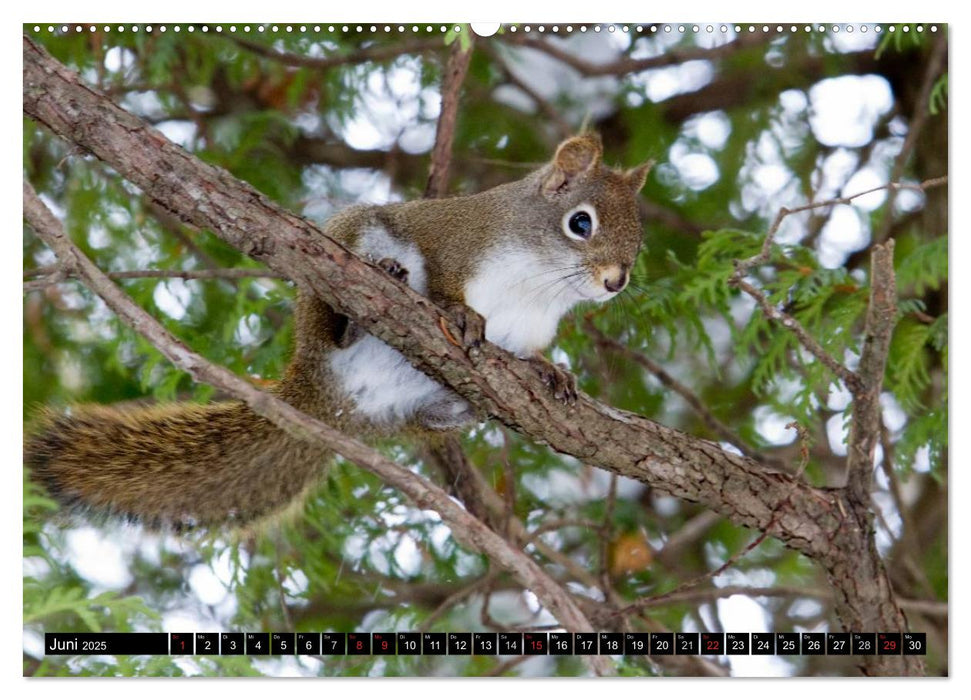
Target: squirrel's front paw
560,381
470,323
394,268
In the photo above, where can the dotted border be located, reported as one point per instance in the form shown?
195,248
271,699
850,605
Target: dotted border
66,29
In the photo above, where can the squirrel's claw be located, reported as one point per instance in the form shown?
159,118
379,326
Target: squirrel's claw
350,332
560,381
471,324
394,268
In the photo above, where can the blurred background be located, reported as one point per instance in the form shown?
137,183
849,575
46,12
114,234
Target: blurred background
741,120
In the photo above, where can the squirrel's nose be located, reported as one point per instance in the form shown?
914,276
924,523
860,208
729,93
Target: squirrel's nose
615,278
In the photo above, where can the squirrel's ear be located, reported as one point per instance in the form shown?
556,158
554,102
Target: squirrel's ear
636,177
574,158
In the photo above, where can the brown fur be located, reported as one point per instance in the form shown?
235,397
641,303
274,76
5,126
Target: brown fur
181,465
185,465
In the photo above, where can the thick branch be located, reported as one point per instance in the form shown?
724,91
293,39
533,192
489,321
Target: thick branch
866,422
663,376
807,519
455,70
466,528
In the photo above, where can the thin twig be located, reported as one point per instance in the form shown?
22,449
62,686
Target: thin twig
55,277
560,524
281,590
765,254
689,533
908,543
489,622
719,428
625,65
509,482
45,279
457,597
371,53
773,313
929,607
455,70
934,66
507,665
548,110
606,530
744,267
707,595
42,271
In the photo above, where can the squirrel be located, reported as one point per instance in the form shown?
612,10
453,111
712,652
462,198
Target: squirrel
509,261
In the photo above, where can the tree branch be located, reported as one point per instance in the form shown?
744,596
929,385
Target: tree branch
46,276
935,63
866,421
362,55
455,70
805,518
625,65
464,526
662,375
743,267
563,129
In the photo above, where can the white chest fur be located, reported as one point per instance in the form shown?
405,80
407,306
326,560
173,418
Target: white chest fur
522,297
382,383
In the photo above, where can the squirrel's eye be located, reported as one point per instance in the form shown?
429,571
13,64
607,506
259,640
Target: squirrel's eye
581,224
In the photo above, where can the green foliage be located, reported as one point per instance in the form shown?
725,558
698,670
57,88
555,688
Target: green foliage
925,268
912,358
56,598
900,37
938,98
357,555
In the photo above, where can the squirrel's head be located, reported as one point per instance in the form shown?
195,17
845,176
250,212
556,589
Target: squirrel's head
590,214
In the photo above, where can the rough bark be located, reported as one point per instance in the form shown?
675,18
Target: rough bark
819,523
455,70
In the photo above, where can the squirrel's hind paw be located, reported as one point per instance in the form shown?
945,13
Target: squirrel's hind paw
560,381
448,414
470,323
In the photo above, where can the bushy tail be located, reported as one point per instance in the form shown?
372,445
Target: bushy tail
175,465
